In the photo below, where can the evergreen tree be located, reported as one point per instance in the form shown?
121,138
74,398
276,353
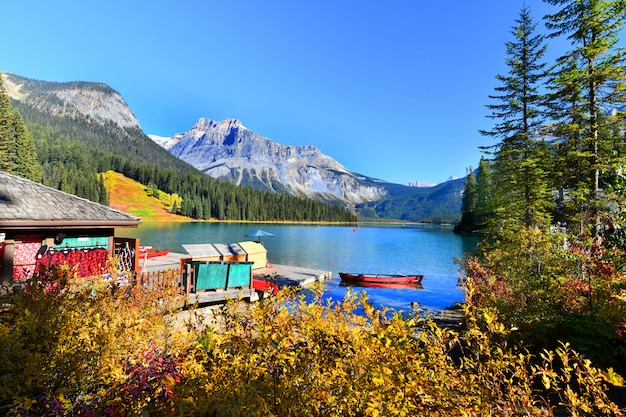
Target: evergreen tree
591,80
484,191
7,139
522,197
26,163
468,205
565,112
103,195
17,148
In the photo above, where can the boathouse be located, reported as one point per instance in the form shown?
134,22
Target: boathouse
40,225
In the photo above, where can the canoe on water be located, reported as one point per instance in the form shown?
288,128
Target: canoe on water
404,285
381,278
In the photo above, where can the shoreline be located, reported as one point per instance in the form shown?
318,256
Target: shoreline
358,222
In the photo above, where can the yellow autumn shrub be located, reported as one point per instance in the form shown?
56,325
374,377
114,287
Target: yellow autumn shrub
291,357
66,346
91,348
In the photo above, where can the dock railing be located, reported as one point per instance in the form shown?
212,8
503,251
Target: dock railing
157,279
202,281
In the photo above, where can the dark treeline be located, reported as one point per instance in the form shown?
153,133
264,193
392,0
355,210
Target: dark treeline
73,152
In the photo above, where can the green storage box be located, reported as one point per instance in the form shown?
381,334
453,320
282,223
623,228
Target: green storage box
240,274
211,275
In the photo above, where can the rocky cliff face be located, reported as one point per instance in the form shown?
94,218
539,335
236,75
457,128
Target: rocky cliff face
230,151
95,101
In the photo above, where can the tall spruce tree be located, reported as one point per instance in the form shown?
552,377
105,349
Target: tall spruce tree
7,139
17,148
26,163
468,205
565,114
522,197
484,191
591,80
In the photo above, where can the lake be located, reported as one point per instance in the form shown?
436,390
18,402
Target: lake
429,250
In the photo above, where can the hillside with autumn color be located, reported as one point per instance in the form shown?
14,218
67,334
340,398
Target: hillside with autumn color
134,198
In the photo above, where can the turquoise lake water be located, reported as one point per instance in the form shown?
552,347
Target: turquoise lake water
429,250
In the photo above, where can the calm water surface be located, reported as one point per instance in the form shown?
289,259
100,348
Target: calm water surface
420,249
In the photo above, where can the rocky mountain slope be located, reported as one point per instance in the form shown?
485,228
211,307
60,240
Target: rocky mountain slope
92,101
230,151
91,113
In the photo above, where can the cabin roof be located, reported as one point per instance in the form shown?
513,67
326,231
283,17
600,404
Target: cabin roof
201,250
25,204
252,247
229,249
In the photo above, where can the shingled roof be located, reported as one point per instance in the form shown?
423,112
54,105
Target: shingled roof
25,204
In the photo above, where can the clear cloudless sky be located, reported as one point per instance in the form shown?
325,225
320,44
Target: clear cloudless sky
394,90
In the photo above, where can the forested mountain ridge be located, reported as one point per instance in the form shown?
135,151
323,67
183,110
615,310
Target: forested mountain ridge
92,114
84,128
437,204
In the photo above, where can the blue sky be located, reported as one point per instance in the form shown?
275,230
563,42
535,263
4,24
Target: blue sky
394,90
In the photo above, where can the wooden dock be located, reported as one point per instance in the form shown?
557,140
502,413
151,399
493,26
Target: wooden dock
285,275
281,275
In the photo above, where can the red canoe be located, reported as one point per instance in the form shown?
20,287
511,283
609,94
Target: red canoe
154,254
381,278
150,252
408,285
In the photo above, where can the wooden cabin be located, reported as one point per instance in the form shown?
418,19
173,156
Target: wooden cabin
42,226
